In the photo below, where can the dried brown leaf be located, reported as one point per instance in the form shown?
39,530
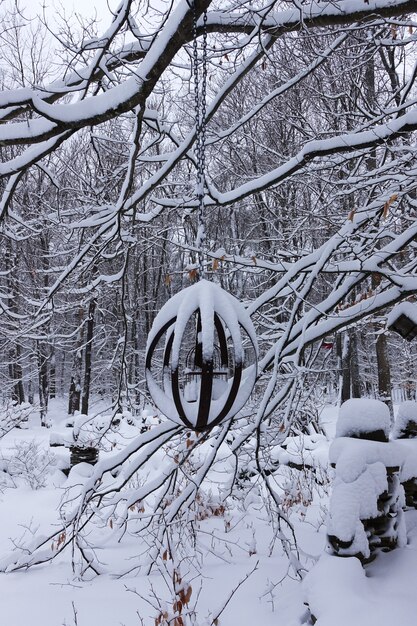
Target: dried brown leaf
388,204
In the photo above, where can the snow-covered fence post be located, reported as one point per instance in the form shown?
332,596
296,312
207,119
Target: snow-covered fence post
405,428
367,500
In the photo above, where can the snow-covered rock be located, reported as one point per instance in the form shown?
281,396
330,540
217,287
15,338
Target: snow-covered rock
366,506
364,417
406,422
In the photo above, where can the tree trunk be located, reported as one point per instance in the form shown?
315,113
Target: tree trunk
345,369
74,395
382,361
350,386
43,381
15,373
14,366
355,382
87,357
52,374
384,372
62,365
31,398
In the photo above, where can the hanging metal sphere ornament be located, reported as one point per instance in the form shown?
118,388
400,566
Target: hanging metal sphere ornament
196,368
198,371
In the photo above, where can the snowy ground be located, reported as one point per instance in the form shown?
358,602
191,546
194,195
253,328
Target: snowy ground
338,590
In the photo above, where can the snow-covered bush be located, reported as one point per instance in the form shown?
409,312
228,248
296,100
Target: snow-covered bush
57,439
89,431
367,500
149,417
14,416
300,467
29,464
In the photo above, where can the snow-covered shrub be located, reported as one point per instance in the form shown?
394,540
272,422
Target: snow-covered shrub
14,416
88,431
206,505
29,464
405,426
301,470
364,418
299,451
149,417
367,500
57,439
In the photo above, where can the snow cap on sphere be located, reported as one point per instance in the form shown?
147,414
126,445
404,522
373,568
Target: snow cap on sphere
360,416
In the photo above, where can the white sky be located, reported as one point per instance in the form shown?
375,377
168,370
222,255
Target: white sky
86,8
89,7
95,9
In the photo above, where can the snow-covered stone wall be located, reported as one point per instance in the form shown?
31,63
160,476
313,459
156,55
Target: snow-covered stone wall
366,507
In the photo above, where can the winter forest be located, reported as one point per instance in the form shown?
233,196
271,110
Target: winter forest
208,313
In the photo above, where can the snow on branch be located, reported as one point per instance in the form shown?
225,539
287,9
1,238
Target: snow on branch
110,104
315,14
320,148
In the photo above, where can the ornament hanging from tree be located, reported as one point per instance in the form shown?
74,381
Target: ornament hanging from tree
196,370
201,357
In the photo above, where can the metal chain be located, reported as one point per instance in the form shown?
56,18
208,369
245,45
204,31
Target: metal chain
200,98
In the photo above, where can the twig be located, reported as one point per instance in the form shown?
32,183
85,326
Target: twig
214,621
